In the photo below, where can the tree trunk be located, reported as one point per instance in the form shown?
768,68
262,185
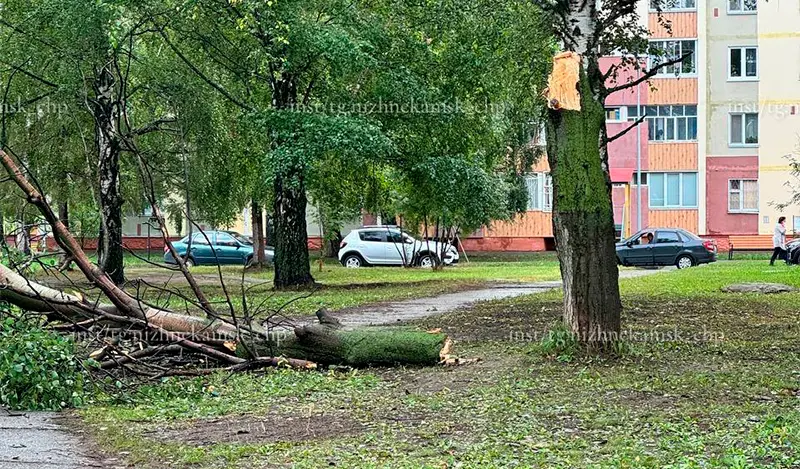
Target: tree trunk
64,259
326,343
292,267
257,215
106,108
583,220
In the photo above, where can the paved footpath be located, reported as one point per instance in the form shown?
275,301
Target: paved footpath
399,312
39,440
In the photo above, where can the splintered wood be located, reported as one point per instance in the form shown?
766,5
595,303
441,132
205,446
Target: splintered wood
562,86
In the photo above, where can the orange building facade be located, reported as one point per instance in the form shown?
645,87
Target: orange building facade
712,149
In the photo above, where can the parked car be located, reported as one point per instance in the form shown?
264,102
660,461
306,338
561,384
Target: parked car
226,247
793,248
389,245
666,246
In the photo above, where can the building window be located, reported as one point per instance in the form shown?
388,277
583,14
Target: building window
673,5
742,6
673,190
743,63
664,51
668,123
635,181
743,129
615,114
540,192
743,195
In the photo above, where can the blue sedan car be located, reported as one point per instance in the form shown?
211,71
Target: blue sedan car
216,248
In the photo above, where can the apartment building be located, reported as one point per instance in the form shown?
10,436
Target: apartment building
715,149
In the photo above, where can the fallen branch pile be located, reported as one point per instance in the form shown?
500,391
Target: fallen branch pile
130,334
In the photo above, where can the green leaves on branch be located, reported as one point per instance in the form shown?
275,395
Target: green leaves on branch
38,368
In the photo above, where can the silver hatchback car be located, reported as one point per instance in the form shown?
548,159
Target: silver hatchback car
389,245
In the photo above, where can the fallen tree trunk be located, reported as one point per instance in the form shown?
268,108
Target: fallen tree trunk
327,343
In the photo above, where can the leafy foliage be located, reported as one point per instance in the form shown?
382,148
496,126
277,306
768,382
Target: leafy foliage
38,368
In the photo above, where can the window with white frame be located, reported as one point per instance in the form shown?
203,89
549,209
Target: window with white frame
615,114
743,63
540,192
665,51
673,5
676,123
673,190
743,195
742,6
743,129
547,199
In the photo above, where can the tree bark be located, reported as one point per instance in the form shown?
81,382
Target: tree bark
106,110
64,259
326,343
292,267
259,244
583,220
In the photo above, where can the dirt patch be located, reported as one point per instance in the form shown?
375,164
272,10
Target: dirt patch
267,429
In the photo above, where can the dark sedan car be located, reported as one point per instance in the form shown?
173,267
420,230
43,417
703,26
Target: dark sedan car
666,246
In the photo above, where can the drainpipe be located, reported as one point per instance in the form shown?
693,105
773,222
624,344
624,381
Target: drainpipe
638,156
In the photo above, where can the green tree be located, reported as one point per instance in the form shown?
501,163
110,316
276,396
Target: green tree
287,64
577,142
99,87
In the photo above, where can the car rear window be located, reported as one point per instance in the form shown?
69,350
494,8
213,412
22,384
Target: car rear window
373,236
689,236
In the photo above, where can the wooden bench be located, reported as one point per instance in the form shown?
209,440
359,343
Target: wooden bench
750,243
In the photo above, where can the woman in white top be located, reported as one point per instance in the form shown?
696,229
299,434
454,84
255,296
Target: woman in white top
779,242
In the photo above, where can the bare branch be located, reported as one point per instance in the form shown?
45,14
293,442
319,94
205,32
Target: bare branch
647,75
627,129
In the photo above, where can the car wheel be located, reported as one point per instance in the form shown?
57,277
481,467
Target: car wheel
684,262
189,262
353,261
426,261
796,257
248,262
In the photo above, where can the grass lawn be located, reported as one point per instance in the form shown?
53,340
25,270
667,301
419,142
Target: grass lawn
347,288
708,380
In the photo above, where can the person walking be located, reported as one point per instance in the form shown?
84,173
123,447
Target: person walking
779,242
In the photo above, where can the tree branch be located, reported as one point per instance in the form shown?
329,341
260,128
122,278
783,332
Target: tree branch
647,75
154,126
200,74
626,130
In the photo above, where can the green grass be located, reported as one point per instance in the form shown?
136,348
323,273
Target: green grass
347,288
708,380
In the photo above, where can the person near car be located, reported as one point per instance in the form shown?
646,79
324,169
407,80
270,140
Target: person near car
779,242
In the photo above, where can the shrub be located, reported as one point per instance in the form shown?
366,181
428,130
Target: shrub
38,368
